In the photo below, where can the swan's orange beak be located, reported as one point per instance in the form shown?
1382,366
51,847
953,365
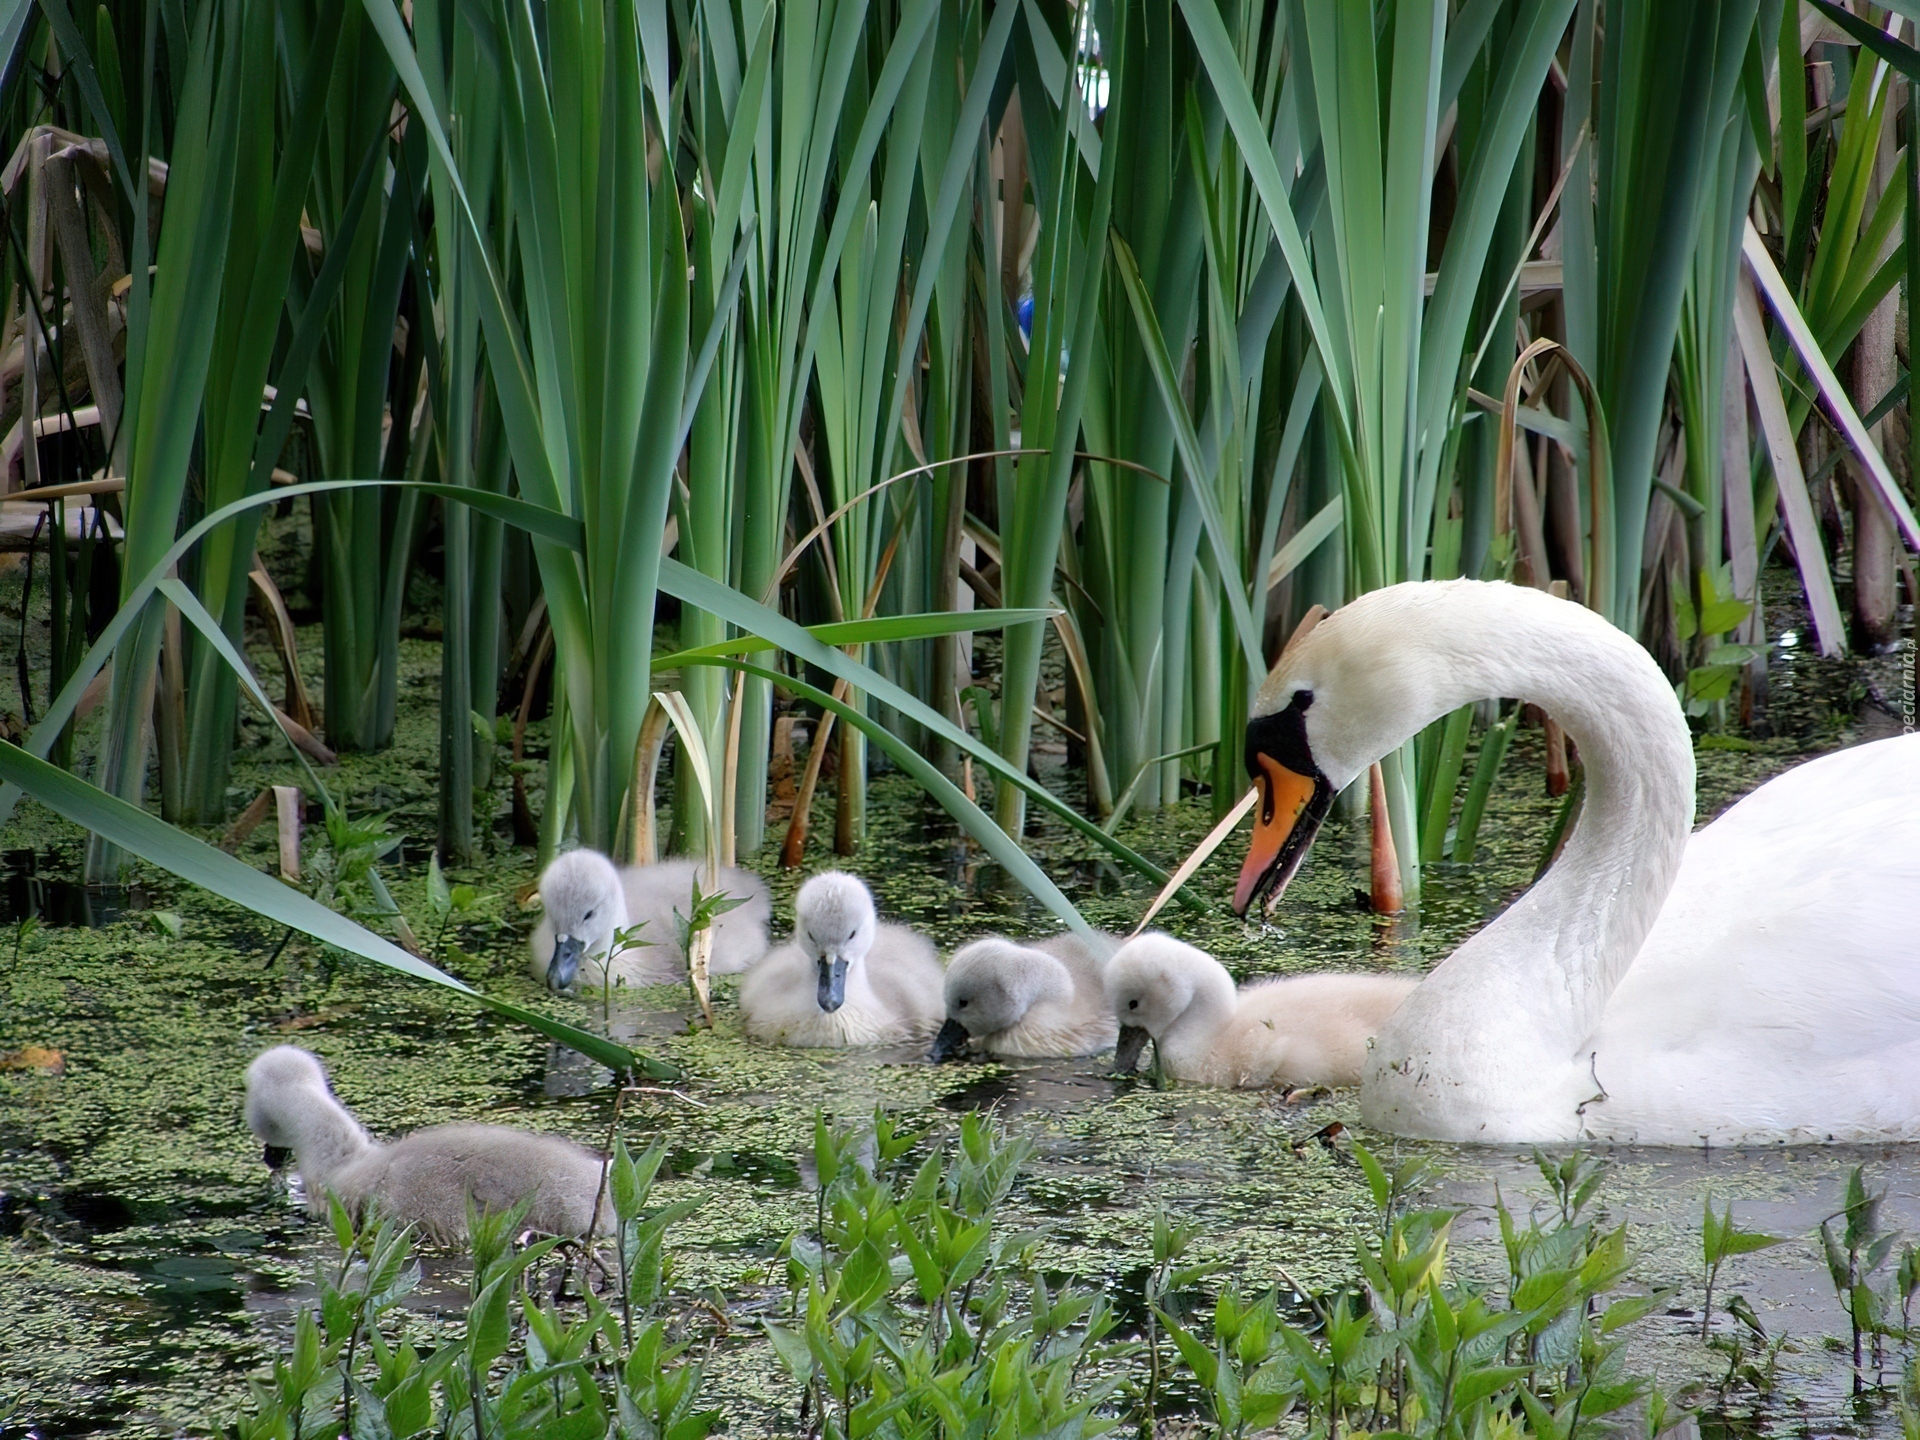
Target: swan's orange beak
1291,809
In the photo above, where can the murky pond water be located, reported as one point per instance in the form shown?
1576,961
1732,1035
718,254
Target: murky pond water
148,1261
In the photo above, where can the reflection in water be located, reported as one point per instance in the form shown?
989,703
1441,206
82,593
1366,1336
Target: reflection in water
1009,1092
43,888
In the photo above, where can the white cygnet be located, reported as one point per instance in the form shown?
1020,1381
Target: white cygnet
845,978
587,899
425,1178
1295,1030
1027,1001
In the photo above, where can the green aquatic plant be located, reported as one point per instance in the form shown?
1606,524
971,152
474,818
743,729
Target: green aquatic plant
704,909
628,938
1573,1180
1720,1241
523,1366
1166,1288
27,939
447,901
1249,1377
343,873
1407,1350
1854,1255
910,1313
912,1309
1753,1353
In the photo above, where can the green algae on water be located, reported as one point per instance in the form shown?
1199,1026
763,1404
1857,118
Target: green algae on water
148,1260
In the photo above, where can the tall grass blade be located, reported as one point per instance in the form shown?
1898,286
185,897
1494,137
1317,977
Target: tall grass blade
1304,541
881,629
1796,506
697,589
1194,467
195,861
694,745
1780,300
1010,855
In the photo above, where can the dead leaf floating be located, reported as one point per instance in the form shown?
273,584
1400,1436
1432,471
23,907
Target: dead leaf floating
35,1057
1326,1135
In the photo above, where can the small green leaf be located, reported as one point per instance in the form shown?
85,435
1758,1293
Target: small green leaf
792,1350
438,895
1377,1180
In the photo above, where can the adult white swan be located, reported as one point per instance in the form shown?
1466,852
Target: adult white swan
1756,982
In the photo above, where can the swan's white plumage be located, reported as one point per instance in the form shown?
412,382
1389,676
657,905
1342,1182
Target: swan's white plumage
892,976
1786,955
1291,1030
422,1179
582,893
1756,982
1033,1000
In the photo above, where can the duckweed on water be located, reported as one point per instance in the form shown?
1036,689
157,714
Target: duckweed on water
147,1262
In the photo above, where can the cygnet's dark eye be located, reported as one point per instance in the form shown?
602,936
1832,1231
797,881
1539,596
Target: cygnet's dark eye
587,916
1133,1004
963,1004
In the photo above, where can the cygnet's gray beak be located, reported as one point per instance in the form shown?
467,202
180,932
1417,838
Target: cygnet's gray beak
833,982
565,965
1126,1055
276,1156
950,1042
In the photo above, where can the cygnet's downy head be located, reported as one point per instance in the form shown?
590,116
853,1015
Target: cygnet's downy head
1149,983
990,987
277,1081
834,922
585,905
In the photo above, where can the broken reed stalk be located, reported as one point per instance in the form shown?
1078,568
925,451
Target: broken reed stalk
1198,857
1387,896
794,848
287,805
526,830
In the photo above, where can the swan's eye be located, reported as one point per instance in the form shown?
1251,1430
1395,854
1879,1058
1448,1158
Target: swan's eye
1133,1004
963,1004
587,916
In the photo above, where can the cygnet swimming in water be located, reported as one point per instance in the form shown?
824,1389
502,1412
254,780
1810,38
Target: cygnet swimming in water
422,1179
845,978
1295,1030
1027,1001
587,899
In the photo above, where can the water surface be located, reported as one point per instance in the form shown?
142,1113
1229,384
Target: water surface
148,1261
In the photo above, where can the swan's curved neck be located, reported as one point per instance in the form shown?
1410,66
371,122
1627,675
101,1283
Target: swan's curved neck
1194,1028
1545,969
1041,977
326,1139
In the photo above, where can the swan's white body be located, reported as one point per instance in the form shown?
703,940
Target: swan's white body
1029,1001
845,979
425,1178
1292,1030
584,895
1758,982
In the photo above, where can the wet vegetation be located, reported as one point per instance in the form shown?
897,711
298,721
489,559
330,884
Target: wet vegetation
436,435
151,1263
908,1311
